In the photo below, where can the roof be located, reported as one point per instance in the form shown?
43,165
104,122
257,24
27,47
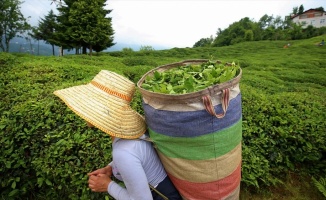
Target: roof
307,11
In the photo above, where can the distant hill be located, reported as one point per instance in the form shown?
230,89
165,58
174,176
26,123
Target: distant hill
41,48
21,45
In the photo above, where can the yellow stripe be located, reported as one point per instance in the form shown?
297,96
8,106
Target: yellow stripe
203,171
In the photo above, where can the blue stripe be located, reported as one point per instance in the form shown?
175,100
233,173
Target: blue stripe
191,123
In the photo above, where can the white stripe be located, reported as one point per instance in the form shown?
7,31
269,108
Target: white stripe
194,106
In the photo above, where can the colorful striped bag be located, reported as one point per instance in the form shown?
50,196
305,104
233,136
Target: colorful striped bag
198,136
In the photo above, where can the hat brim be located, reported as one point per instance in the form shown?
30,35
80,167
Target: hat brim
108,113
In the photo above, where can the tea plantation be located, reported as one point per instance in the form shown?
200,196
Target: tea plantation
47,151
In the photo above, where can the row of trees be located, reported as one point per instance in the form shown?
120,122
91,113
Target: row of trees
12,22
267,28
80,25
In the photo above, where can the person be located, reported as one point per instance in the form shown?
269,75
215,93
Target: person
322,43
105,104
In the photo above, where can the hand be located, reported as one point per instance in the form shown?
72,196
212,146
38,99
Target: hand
105,170
99,183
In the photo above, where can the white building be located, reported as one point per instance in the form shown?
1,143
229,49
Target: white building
316,18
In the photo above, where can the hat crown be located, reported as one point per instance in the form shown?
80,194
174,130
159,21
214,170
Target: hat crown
114,84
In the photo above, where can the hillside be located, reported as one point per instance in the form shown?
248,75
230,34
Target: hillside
48,150
21,45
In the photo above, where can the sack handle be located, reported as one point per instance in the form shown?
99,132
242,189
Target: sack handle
225,99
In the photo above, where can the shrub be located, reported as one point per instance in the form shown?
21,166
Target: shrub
280,132
6,58
135,61
46,150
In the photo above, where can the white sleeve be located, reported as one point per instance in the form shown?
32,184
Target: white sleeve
133,176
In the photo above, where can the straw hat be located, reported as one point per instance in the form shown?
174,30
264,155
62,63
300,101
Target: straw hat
105,103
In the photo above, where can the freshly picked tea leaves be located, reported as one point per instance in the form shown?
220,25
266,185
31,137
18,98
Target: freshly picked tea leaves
190,78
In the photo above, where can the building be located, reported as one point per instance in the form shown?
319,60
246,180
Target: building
314,17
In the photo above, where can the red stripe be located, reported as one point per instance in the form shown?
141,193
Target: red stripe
227,98
225,103
209,191
208,107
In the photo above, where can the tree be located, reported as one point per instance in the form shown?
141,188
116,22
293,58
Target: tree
267,28
204,42
46,30
64,38
249,35
301,9
236,33
94,28
84,23
265,21
12,22
296,32
320,9
295,10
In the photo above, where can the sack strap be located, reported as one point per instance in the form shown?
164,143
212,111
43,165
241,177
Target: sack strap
225,99
148,139
155,190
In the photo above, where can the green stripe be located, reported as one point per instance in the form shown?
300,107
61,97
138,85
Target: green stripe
203,147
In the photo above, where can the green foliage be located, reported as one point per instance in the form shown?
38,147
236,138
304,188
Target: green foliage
190,78
6,59
127,50
47,151
42,152
204,42
138,60
84,24
320,184
90,26
12,22
146,48
267,28
249,35
46,30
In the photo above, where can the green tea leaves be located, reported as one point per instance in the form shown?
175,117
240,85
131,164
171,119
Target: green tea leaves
190,78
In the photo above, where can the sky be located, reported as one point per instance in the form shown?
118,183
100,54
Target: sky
176,23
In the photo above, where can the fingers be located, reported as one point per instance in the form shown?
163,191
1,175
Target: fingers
92,183
92,173
96,172
99,183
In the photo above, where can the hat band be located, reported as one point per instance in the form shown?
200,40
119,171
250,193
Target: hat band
111,92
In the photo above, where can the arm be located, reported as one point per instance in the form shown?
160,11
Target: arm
134,178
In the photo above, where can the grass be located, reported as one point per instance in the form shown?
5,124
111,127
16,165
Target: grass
294,187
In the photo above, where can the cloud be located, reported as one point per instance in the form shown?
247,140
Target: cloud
178,23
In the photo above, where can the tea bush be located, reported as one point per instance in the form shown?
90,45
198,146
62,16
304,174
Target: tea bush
6,59
134,61
47,150
284,132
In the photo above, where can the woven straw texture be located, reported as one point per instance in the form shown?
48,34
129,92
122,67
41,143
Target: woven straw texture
105,103
200,152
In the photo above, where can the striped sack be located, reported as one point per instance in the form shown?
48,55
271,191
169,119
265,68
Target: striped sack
198,137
